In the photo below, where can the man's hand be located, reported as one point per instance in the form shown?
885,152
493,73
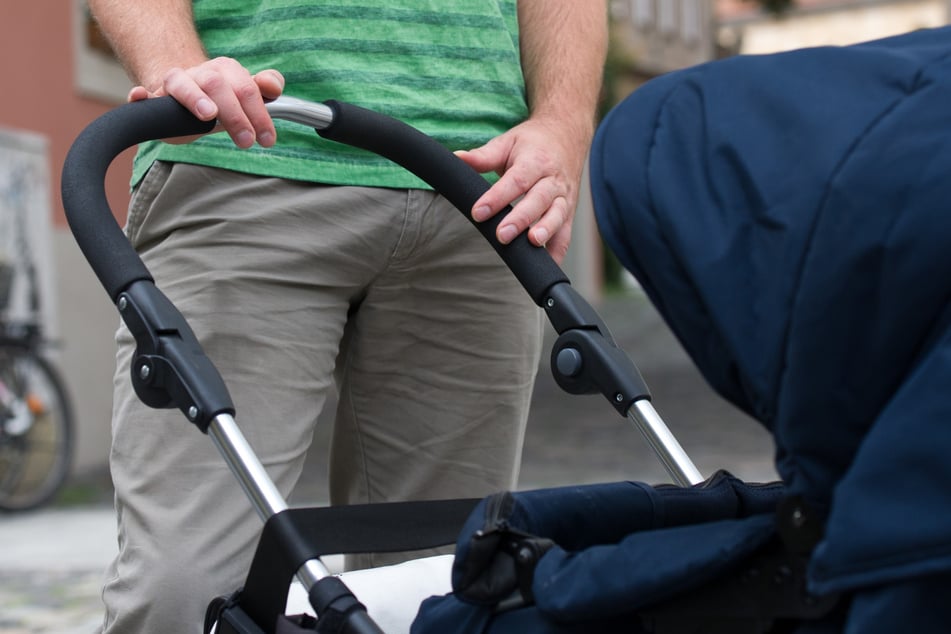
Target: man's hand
162,52
540,172
563,47
223,89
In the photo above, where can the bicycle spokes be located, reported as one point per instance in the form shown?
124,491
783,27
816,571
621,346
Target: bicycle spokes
35,431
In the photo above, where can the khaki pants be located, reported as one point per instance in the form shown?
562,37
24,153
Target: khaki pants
433,344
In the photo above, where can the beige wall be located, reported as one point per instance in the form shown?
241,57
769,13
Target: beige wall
87,327
658,45
841,27
655,45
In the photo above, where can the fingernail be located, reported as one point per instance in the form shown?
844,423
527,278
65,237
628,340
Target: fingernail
481,213
244,139
507,234
205,108
541,235
266,139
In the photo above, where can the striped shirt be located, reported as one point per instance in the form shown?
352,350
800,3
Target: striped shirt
450,68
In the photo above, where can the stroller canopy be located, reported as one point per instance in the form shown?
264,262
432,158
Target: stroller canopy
790,217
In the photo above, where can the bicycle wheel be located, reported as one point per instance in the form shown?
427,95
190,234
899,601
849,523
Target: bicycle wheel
36,430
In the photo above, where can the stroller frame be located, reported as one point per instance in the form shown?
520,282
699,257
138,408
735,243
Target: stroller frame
171,371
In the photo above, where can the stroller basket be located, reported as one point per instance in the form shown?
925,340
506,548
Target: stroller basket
171,371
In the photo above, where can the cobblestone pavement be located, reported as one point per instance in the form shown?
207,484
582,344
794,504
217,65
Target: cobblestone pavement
45,602
51,562
51,569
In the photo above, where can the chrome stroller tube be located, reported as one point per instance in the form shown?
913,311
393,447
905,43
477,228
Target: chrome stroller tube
664,444
309,113
246,467
257,485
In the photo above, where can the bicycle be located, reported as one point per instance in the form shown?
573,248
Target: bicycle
36,417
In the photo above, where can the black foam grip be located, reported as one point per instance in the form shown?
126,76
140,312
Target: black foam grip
447,174
99,236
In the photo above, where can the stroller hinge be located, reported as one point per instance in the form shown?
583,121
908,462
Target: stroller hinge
584,362
169,368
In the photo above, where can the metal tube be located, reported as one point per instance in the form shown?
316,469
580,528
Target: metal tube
257,484
249,471
309,113
664,444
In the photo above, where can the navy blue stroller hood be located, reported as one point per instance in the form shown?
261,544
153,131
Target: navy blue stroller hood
790,217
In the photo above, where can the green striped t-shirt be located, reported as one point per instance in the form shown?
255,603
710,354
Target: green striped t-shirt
448,67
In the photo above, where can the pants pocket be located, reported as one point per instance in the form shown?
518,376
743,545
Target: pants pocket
143,196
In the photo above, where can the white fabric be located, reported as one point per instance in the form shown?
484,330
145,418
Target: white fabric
392,594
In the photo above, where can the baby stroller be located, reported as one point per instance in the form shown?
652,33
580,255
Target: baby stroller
171,370
784,213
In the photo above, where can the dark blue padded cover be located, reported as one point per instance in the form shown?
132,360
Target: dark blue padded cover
619,547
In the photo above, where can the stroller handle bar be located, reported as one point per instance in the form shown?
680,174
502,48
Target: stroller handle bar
117,265
98,235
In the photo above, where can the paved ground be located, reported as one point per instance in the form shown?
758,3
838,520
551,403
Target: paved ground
51,561
51,565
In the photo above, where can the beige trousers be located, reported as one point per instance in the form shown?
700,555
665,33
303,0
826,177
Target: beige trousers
433,344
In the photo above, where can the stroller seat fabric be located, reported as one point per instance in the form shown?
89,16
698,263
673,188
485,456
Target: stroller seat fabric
790,217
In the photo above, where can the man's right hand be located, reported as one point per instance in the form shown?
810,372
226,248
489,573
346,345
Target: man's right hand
223,89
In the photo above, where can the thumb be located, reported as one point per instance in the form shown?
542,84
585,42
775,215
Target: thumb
138,93
270,82
490,157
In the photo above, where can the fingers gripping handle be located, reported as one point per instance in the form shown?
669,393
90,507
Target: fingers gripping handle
99,236
448,175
